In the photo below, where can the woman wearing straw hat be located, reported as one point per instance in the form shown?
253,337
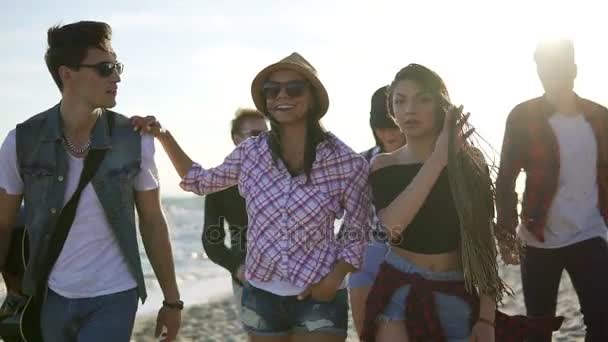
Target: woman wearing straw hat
297,180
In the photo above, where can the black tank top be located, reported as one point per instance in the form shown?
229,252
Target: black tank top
436,228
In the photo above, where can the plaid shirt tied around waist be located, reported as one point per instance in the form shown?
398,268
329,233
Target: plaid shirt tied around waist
423,324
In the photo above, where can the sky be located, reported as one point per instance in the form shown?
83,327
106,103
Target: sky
191,62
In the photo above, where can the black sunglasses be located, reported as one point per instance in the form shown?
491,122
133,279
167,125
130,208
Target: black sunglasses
251,133
293,88
105,69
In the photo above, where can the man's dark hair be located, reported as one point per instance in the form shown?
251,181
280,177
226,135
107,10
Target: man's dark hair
69,44
241,115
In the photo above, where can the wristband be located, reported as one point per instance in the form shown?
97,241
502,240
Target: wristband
179,305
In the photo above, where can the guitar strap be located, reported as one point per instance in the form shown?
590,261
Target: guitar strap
66,217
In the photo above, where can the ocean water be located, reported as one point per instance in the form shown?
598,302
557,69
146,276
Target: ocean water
199,279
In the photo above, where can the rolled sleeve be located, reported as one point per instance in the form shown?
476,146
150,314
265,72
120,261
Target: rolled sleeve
357,221
203,181
147,179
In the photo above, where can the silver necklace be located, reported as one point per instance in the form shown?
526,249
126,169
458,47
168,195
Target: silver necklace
76,150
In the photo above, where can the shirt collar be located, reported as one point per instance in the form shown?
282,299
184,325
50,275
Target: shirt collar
53,129
548,109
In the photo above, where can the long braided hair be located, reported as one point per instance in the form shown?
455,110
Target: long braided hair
471,186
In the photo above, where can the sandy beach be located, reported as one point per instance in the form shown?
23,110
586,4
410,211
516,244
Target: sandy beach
218,321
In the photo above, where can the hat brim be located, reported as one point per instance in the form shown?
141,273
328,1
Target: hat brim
257,85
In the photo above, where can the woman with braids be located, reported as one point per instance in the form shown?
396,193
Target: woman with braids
434,196
296,180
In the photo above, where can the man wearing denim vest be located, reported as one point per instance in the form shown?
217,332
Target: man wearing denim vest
94,287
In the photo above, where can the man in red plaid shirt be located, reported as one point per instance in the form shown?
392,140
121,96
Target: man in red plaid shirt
560,142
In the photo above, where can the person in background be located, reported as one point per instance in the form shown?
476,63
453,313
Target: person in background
228,206
560,140
387,134
389,138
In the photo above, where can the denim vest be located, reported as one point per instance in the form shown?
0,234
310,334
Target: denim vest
43,165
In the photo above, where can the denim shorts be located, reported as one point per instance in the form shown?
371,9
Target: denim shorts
266,314
366,275
454,313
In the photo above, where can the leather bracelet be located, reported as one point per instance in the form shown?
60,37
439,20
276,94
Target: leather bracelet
179,305
486,321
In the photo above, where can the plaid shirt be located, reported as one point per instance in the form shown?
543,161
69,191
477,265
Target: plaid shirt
291,219
530,144
423,324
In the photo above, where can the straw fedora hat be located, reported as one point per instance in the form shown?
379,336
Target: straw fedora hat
298,64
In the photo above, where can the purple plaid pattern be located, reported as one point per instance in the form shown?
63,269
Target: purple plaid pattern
291,219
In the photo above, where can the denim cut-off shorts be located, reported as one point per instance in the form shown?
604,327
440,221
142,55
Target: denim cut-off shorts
454,313
266,314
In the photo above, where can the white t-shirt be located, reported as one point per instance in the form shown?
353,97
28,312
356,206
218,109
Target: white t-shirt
91,263
574,215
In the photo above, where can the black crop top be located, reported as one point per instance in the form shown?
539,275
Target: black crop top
436,228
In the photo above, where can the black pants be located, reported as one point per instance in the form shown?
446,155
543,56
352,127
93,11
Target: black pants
587,264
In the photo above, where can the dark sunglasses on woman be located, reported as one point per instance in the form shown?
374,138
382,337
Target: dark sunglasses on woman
251,133
293,88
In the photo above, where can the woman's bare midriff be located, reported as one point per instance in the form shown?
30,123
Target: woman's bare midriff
444,262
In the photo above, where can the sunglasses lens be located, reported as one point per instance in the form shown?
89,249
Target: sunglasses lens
292,88
271,90
105,69
295,88
251,133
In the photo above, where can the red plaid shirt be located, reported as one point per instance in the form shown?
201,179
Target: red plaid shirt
291,219
530,144
422,323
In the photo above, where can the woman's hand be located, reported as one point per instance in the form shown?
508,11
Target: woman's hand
482,332
441,146
148,125
325,290
510,255
240,274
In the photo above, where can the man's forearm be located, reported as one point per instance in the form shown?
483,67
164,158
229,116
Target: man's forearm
9,208
506,206
155,237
